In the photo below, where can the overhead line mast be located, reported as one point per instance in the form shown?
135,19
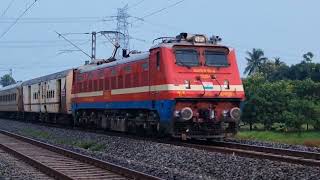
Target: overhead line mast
122,26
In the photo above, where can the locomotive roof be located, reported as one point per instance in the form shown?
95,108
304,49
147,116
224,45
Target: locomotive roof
12,86
185,43
123,60
145,55
57,75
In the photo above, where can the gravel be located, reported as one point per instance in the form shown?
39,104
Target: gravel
13,168
276,145
162,160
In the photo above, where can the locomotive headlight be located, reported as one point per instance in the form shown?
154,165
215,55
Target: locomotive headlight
199,39
186,113
235,113
187,84
226,84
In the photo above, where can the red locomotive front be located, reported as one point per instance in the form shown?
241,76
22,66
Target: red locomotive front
204,81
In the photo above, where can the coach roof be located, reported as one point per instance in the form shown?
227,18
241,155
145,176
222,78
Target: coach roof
57,75
12,86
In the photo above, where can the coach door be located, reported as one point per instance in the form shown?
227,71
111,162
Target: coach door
29,100
62,92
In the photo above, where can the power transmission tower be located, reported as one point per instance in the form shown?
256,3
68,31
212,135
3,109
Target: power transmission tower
123,27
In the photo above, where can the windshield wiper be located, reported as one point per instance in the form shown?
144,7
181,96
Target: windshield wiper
183,64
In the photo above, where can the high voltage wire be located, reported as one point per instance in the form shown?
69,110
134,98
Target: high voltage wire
58,20
162,9
136,4
8,7
16,21
37,41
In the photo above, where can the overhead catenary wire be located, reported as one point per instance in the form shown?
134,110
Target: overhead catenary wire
160,10
58,20
6,10
136,4
17,19
60,35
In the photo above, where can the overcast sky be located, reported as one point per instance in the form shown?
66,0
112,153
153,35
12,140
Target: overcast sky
286,29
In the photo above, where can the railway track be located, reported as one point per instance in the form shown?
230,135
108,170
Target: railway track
63,164
261,152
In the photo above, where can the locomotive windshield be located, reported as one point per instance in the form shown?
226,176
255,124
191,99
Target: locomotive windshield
214,58
187,57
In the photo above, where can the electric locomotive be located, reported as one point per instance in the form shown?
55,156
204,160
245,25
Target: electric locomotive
187,86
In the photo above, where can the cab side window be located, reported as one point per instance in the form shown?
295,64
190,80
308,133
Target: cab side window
158,58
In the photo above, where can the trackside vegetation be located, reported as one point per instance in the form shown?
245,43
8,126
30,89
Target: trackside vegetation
281,98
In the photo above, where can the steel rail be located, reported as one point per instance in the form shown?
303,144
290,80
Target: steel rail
260,152
125,172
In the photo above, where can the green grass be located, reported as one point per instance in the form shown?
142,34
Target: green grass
91,145
311,138
85,144
35,133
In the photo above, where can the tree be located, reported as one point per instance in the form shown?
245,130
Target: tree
7,80
308,57
278,62
252,85
255,60
268,68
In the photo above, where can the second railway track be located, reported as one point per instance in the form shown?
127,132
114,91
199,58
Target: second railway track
63,164
261,152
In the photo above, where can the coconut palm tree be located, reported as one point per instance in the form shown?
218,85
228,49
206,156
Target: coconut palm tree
255,60
308,57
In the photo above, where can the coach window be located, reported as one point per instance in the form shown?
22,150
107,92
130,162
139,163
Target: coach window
158,60
128,69
145,66
113,72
